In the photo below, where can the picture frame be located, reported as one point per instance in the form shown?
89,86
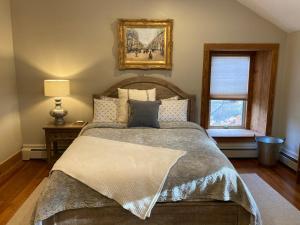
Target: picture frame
145,44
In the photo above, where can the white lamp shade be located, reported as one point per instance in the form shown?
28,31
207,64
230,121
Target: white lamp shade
56,88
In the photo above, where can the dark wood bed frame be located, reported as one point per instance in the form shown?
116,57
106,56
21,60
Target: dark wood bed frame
211,213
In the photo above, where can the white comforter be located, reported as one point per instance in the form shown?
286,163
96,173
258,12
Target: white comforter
131,174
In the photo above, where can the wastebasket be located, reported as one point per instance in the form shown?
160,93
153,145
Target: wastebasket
268,150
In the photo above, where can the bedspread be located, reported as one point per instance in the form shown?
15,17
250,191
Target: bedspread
204,173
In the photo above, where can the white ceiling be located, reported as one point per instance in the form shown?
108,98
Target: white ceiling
283,13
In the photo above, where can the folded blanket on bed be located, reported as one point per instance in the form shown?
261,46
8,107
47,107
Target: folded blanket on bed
131,174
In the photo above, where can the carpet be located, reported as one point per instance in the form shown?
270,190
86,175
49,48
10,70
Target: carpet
275,209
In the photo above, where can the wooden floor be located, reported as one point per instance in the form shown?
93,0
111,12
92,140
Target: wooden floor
17,189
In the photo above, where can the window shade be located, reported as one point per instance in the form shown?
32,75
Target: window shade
229,77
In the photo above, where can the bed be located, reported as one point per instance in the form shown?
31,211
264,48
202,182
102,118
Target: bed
219,196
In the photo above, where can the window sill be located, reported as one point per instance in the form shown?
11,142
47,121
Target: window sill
233,135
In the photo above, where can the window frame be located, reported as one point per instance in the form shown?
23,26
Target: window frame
247,102
264,73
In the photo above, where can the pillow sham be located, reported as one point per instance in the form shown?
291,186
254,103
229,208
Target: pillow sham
143,113
109,98
132,94
105,110
172,98
173,110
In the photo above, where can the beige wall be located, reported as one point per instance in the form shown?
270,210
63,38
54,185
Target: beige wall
76,39
10,129
291,116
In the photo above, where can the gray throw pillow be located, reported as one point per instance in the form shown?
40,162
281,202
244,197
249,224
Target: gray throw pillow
143,113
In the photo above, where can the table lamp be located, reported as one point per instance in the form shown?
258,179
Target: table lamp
57,89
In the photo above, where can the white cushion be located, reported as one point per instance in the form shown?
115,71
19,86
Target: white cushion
109,98
105,110
173,110
172,98
133,94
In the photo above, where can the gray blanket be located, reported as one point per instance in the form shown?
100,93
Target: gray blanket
204,173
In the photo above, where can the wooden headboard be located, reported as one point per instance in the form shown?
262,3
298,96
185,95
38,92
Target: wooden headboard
164,89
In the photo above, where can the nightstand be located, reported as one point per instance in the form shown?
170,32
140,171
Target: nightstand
60,133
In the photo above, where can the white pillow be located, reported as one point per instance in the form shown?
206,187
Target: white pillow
172,98
133,94
109,98
105,110
173,110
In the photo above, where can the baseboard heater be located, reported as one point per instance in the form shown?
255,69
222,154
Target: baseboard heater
231,151
248,150
239,150
34,152
288,160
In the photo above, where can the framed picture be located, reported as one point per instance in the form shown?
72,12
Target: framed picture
145,44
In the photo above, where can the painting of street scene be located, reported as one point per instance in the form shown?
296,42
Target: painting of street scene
145,44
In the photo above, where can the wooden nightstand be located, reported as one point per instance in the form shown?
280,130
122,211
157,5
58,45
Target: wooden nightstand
60,133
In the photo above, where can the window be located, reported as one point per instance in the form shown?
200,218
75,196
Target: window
227,113
229,84
238,88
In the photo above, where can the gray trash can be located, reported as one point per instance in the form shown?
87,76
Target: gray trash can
268,150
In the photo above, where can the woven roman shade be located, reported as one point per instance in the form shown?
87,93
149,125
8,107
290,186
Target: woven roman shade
229,77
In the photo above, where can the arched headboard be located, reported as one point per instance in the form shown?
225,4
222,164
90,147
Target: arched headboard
164,89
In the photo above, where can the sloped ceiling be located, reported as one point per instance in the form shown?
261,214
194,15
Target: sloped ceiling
283,13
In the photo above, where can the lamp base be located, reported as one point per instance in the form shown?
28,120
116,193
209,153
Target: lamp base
58,113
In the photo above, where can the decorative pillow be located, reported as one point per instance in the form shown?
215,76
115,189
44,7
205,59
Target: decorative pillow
109,98
143,113
105,110
132,94
173,110
172,98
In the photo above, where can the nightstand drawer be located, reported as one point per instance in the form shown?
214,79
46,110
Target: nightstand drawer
63,135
